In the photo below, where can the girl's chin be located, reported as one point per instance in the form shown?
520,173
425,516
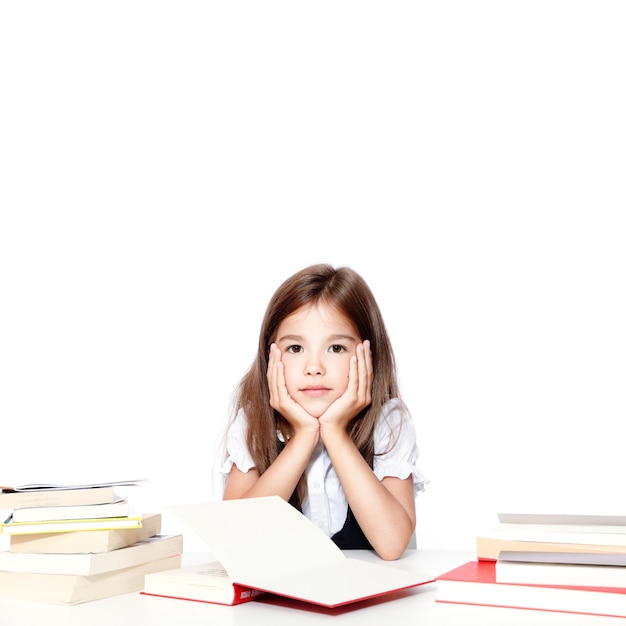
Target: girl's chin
316,409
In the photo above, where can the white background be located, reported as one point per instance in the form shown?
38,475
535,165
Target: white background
164,165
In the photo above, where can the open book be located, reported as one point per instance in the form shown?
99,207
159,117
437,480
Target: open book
59,487
268,545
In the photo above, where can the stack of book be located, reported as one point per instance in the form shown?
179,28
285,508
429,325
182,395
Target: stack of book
564,563
79,543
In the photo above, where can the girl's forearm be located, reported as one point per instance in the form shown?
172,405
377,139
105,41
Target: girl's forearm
282,477
387,517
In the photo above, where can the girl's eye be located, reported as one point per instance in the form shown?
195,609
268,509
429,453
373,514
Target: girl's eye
337,349
294,349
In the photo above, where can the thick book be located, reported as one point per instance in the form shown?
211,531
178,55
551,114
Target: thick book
605,530
11,527
579,558
566,568
549,536
205,582
562,519
267,544
117,508
69,589
489,546
561,523
90,564
475,583
56,497
87,540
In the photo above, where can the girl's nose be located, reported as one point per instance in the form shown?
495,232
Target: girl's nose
314,366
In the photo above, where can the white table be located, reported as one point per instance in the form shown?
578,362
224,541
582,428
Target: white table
416,606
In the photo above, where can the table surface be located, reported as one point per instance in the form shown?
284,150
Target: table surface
418,604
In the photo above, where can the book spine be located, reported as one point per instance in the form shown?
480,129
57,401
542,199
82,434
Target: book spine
245,594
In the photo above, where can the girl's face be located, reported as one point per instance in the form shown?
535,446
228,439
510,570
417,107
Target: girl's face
316,343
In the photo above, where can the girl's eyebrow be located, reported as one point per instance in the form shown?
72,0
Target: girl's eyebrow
342,338
289,338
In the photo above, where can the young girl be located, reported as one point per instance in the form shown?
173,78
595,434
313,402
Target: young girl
318,419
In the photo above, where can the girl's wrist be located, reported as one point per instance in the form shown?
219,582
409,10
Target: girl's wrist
305,435
330,432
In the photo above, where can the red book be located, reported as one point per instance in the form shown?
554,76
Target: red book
475,583
268,545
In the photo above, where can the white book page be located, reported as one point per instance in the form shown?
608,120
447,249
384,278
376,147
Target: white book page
565,518
605,539
346,581
209,574
575,558
257,537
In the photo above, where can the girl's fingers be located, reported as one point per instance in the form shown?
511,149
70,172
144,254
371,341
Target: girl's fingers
364,371
279,396
281,385
367,357
274,373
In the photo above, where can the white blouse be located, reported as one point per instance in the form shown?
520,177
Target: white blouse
325,504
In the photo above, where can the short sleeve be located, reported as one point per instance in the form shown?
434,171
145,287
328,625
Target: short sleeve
237,452
395,446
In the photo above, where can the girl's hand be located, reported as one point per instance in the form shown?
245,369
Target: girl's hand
358,394
280,400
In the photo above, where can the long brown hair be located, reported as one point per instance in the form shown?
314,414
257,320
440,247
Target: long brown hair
346,290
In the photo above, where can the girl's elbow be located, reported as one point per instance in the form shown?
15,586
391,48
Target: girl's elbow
392,551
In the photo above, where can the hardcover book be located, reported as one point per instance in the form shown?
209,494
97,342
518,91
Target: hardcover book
116,508
562,521
90,564
71,589
23,496
56,497
489,547
564,528
268,545
562,568
10,527
87,540
475,583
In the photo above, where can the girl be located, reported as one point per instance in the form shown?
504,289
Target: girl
318,419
